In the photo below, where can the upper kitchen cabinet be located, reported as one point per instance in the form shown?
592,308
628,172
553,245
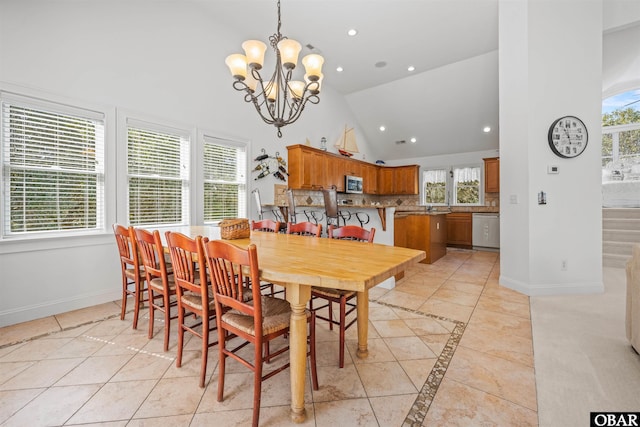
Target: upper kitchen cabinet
398,179
492,175
307,168
370,179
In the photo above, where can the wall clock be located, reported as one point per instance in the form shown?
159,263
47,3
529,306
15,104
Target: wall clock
568,137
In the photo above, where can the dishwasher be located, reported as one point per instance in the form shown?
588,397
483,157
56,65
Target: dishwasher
485,230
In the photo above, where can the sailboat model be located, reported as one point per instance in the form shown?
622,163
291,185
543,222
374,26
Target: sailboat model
346,144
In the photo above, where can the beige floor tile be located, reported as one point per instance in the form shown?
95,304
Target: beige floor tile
171,421
144,366
456,297
384,379
191,362
381,312
392,328
11,369
494,375
171,396
447,309
470,276
420,290
502,323
338,384
457,404
425,325
409,348
44,373
436,342
378,351
81,346
95,370
469,288
418,370
509,347
89,314
402,299
36,349
506,306
35,328
14,400
111,327
53,407
351,412
114,402
392,410
120,344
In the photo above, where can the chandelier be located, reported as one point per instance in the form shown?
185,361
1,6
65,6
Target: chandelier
280,100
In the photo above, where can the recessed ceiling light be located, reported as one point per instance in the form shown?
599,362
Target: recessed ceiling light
413,140
382,128
339,69
352,32
411,68
380,64
486,129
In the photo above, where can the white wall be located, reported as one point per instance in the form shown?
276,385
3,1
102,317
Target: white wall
161,59
549,67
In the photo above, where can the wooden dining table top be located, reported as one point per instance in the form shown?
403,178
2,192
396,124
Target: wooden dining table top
329,263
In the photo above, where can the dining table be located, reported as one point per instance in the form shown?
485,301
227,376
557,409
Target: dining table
299,263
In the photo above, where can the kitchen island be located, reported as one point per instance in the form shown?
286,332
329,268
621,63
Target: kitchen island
426,231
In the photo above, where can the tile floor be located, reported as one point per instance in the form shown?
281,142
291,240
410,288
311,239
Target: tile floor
448,346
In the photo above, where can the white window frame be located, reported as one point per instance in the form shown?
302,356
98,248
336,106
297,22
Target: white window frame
57,105
450,187
186,134
206,137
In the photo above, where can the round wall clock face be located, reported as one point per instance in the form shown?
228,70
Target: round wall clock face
568,137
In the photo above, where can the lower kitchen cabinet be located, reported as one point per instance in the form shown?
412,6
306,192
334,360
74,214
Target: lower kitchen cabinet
459,229
423,232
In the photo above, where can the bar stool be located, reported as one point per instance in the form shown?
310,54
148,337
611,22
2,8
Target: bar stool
261,211
312,216
331,211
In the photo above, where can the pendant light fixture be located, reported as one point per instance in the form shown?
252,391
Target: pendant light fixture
280,100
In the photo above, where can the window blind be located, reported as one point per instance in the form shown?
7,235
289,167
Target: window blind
53,167
225,179
158,176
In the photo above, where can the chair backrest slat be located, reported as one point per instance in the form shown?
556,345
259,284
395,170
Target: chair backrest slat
189,267
305,228
352,232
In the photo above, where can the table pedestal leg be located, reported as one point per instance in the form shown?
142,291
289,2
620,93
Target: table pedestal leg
362,305
298,296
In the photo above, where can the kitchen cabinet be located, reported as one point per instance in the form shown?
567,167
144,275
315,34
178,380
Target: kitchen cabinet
459,229
422,232
313,169
492,175
398,179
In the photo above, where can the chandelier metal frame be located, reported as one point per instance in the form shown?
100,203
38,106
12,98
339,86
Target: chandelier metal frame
282,104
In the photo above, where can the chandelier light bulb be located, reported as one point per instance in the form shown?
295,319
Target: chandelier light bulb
297,89
313,66
237,64
289,51
272,91
314,85
254,51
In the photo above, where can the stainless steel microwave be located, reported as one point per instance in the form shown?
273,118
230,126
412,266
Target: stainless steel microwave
353,184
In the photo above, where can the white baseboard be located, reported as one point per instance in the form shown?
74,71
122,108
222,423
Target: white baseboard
51,308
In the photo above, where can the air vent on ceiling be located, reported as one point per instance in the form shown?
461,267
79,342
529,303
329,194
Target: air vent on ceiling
402,141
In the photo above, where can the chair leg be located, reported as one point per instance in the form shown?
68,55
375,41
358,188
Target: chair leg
167,320
222,342
330,315
180,336
136,304
151,312
257,383
343,321
205,349
312,345
123,306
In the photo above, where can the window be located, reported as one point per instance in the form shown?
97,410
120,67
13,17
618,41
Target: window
157,174
225,179
52,167
455,185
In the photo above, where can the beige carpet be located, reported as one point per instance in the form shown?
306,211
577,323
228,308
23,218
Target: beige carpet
583,361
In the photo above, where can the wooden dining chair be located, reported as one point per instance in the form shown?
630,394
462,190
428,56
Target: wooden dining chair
268,225
161,285
133,275
257,321
193,294
304,229
339,296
